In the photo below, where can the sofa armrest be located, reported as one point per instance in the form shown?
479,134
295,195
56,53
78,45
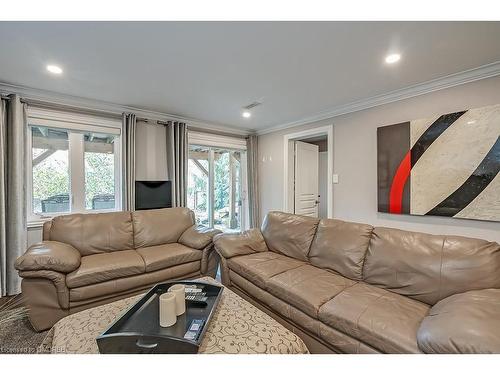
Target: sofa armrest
50,256
57,278
229,245
463,323
198,237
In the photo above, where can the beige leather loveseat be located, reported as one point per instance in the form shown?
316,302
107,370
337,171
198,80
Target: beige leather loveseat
89,260
352,288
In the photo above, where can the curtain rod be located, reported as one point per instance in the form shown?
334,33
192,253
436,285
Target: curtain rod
157,122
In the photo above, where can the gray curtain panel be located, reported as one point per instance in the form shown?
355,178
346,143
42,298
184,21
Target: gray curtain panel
13,224
3,197
253,180
129,130
177,159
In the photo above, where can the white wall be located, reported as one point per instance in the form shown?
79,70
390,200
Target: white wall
323,180
151,152
355,160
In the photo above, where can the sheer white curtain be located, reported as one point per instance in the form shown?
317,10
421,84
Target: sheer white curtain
13,227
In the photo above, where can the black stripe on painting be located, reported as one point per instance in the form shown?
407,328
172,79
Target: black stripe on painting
473,186
431,134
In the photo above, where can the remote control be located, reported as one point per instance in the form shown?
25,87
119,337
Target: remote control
196,297
194,329
193,289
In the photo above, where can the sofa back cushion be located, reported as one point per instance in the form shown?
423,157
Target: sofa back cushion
94,233
429,267
289,234
163,226
341,246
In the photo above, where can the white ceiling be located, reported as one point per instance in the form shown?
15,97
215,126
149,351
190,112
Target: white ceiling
209,70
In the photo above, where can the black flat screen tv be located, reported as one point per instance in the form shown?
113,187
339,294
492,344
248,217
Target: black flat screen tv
153,194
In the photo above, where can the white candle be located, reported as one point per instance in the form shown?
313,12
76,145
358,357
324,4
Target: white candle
180,298
168,317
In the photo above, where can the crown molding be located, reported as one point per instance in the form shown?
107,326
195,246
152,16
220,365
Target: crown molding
452,80
54,98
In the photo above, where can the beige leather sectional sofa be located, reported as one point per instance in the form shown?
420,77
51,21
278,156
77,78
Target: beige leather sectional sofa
352,288
89,260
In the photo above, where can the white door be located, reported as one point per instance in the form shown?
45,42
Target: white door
306,179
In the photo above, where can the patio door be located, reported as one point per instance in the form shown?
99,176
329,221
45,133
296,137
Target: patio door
217,187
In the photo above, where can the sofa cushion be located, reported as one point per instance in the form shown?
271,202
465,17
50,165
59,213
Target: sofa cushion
164,256
288,234
386,321
158,227
341,247
429,267
259,267
106,266
307,287
96,292
463,323
94,233
233,244
338,340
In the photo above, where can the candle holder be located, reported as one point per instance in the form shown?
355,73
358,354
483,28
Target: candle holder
180,298
168,316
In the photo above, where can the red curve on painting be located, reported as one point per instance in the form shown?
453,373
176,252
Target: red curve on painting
398,185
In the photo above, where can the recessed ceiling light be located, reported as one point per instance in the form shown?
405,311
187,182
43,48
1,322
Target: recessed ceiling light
246,114
54,69
392,58
471,122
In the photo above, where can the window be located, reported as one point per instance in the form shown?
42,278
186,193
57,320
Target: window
50,166
74,166
99,171
217,183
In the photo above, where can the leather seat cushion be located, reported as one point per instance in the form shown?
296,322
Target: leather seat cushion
106,266
164,256
307,287
338,340
91,293
384,320
260,267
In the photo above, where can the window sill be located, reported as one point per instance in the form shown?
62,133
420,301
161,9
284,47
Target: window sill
37,223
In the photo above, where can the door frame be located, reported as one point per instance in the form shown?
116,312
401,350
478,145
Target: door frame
288,142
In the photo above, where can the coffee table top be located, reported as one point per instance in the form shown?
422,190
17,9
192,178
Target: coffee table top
237,327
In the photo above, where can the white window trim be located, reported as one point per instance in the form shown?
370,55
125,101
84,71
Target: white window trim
78,123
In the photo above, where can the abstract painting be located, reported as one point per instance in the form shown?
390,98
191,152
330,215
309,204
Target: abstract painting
446,165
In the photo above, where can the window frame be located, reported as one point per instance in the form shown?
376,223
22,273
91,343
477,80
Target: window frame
211,142
77,125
